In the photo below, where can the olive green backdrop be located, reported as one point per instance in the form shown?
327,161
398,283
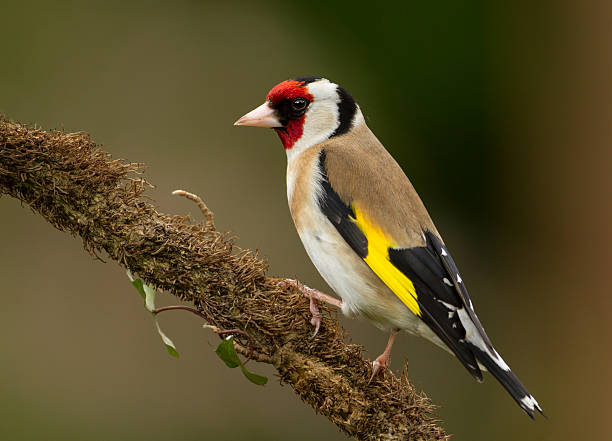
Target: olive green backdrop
500,114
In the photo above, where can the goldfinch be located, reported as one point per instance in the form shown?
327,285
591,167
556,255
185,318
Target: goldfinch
367,232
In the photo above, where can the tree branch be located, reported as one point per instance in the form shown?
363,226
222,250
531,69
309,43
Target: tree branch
80,189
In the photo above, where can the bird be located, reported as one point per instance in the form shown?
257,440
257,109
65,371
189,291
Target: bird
368,233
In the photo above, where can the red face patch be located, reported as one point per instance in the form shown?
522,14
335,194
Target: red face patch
289,89
294,128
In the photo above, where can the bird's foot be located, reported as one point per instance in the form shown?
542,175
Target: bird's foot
382,361
316,316
315,296
379,365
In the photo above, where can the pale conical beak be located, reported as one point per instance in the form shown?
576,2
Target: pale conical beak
263,116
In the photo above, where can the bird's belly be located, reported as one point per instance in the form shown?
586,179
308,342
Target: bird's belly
362,292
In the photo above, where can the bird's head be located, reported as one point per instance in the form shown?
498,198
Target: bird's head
305,111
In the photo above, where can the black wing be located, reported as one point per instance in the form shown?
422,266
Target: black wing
438,295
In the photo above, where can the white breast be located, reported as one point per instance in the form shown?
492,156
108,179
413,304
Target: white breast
338,265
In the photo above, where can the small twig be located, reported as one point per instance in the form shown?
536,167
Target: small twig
231,331
251,354
210,217
183,307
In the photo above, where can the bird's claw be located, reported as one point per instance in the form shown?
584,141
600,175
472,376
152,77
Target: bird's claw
286,283
316,316
314,296
378,365
311,294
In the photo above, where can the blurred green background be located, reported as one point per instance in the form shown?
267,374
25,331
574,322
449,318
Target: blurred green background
500,113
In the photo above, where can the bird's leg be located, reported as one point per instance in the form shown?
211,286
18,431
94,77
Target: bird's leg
315,296
382,361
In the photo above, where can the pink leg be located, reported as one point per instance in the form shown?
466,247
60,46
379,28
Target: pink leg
315,296
382,361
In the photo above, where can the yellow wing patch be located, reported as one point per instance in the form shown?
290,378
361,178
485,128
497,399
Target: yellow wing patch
378,260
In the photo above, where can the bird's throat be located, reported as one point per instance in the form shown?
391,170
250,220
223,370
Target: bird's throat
292,132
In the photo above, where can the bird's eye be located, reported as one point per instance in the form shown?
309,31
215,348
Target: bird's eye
299,104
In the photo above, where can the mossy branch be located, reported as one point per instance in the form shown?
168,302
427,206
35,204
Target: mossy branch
80,189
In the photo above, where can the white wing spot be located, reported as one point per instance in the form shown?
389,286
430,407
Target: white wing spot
459,280
443,252
447,305
448,282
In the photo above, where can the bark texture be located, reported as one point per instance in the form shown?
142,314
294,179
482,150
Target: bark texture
80,189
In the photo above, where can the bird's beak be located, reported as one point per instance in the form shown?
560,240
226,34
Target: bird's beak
263,116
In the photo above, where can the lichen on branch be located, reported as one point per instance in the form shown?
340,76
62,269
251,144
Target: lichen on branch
82,190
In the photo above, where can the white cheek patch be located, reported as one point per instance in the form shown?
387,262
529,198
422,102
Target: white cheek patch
322,116
321,121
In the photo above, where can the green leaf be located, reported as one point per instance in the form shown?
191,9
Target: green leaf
172,351
137,283
259,380
227,353
167,342
147,292
149,297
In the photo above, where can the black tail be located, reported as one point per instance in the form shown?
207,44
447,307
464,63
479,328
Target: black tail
510,382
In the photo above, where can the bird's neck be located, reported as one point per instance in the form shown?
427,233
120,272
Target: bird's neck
310,137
